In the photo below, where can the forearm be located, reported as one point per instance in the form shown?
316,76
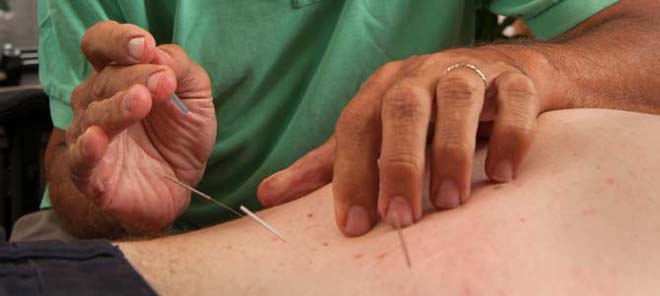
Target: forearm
78,214
610,61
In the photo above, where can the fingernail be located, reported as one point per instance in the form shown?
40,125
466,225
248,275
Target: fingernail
448,196
399,212
503,171
152,82
357,221
136,47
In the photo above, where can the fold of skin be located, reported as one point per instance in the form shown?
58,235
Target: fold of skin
583,217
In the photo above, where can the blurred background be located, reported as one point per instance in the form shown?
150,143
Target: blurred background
25,32
24,117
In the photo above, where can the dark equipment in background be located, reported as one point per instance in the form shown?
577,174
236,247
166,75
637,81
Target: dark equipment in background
25,124
25,127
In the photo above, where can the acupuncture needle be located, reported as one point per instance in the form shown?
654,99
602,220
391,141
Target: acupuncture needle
262,222
402,241
179,104
202,194
250,214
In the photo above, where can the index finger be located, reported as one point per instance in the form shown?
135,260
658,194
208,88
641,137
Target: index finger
110,42
357,138
405,119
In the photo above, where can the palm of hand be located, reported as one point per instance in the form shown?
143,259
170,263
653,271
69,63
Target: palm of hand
130,175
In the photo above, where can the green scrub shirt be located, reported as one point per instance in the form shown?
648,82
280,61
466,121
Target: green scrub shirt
282,70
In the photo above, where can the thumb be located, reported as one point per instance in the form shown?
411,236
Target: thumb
307,174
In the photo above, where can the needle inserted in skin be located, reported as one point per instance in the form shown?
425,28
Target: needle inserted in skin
397,225
202,194
250,214
262,222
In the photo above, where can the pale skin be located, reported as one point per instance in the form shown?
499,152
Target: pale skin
579,220
377,154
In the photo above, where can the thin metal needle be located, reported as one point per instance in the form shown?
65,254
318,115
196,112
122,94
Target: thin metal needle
250,214
202,194
179,104
397,225
262,222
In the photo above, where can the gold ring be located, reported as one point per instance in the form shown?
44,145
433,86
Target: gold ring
471,67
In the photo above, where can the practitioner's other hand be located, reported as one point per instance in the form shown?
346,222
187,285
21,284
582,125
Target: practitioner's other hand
127,133
432,103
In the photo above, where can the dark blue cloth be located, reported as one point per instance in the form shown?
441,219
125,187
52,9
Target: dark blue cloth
92,267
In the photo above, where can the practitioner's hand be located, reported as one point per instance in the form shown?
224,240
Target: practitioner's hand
126,133
406,109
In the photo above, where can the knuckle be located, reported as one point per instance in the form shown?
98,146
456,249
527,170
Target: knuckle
453,139
430,62
454,148
502,65
78,94
118,34
383,73
184,65
517,85
406,102
91,108
90,34
85,119
175,51
357,125
100,111
389,68
456,86
517,102
351,121
403,162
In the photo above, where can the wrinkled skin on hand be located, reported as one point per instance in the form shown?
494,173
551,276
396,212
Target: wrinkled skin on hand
422,110
126,134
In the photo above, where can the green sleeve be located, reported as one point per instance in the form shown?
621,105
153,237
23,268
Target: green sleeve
62,65
550,18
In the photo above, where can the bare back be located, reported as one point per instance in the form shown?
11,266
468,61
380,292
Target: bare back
581,218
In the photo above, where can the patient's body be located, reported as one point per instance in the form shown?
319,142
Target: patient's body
583,217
